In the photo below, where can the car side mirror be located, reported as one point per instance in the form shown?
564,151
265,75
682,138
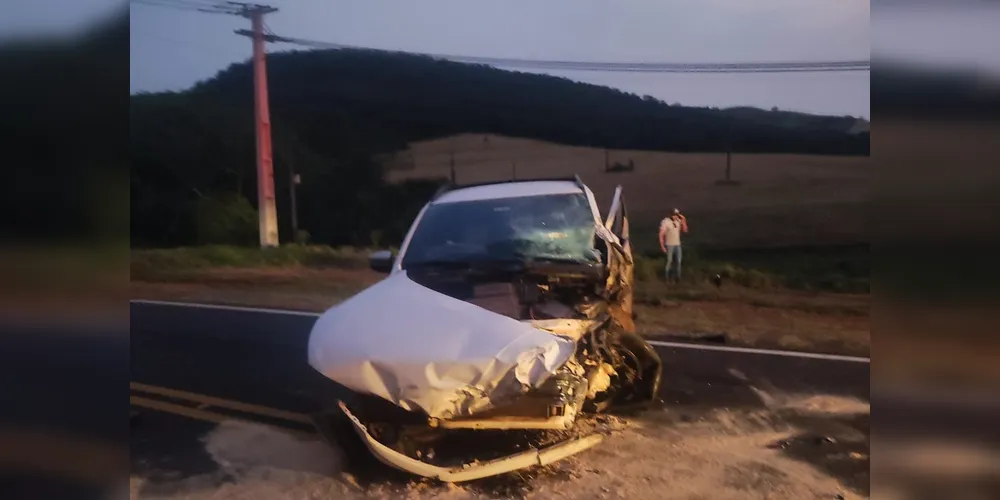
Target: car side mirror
381,261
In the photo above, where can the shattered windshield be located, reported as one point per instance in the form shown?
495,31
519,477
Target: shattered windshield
557,227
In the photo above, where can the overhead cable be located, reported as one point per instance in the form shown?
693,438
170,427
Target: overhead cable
239,8
630,67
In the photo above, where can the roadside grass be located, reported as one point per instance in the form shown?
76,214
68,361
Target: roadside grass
830,269
839,271
754,306
787,281
190,262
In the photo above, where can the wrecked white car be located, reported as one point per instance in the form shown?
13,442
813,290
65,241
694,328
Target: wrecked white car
506,316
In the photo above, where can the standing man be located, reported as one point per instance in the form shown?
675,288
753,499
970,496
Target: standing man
670,242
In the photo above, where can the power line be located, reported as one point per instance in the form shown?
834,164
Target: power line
191,5
207,6
178,4
241,9
628,67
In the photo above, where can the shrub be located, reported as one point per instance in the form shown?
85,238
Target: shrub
376,236
302,237
229,219
225,256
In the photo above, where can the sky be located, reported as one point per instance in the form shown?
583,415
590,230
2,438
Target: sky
171,50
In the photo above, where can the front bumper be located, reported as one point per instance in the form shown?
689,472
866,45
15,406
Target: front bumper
470,471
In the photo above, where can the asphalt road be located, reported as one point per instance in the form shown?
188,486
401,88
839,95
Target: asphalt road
199,365
184,357
259,356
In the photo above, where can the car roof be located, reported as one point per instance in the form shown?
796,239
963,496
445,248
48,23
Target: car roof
509,189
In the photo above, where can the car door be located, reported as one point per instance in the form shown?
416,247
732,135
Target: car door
616,222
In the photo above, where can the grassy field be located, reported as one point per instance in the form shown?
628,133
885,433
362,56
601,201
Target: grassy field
780,200
752,308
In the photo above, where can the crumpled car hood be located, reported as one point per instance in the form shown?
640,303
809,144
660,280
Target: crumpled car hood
424,350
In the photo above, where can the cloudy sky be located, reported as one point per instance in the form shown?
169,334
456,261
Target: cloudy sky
172,49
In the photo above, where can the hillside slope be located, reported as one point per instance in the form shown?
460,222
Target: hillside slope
389,99
336,114
777,200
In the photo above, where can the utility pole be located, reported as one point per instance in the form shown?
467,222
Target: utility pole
266,209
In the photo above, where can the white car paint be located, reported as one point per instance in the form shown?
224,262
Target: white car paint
507,190
423,350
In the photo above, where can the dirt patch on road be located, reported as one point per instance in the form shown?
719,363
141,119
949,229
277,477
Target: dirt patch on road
723,454
747,324
667,453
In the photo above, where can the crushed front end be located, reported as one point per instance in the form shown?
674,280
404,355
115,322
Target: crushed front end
463,375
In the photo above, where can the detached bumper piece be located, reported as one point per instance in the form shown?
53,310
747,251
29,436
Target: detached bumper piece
469,472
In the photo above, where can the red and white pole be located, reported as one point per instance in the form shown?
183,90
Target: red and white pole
266,209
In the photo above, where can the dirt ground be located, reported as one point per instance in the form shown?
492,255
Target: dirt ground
735,316
780,199
799,447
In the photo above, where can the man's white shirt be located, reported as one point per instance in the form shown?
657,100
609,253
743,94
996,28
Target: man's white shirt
672,232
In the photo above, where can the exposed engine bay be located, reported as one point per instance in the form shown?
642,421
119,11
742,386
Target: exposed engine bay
611,365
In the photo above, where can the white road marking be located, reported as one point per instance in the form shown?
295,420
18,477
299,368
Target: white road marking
207,401
771,352
225,308
677,345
